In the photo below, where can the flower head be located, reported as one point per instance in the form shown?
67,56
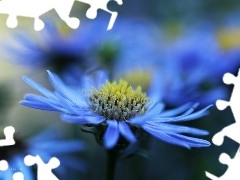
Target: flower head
193,67
117,110
118,101
41,145
54,49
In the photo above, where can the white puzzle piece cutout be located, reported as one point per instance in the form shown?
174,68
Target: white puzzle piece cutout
232,131
44,171
8,141
3,165
8,132
18,176
101,4
36,8
232,172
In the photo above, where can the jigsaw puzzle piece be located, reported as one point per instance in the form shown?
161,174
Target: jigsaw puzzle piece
3,165
8,132
95,5
12,21
44,170
231,131
113,5
232,172
38,24
18,176
229,78
63,9
36,8
221,104
211,176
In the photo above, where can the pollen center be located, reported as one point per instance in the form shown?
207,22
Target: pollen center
118,101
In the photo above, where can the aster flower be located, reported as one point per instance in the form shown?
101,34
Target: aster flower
47,144
116,109
55,50
193,67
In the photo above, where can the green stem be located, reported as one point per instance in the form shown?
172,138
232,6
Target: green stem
112,157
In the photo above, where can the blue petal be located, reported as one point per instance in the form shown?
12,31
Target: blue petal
72,109
38,87
126,132
64,91
177,139
82,119
111,135
184,117
176,111
37,105
168,128
39,102
150,114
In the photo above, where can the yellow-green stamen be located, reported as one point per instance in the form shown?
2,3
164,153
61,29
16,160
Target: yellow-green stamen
118,101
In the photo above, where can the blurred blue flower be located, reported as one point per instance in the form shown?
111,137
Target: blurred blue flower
118,110
55,50
193,67
47,144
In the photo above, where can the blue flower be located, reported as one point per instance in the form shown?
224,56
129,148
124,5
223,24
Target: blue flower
193,67
47,144
118,110
55,50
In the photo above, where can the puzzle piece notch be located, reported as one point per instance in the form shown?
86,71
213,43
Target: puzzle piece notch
231,131
222,105
9,133
44,170
95,5
113,5
234,102
36,8
228,79
232,172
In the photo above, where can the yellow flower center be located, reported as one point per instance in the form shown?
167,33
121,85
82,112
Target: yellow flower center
118,101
